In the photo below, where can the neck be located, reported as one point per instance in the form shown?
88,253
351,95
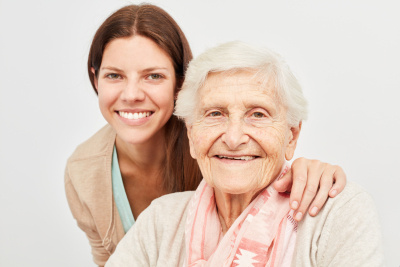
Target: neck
230,206
146,157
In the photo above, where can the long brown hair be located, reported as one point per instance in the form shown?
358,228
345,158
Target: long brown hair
181,170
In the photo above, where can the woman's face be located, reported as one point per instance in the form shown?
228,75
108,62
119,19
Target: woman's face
240,136
135,85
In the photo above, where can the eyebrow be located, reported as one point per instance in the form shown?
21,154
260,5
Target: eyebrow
145,70
154,68
112,68
254,103
213,104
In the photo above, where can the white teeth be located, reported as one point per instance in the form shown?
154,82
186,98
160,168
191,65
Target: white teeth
238,158
134,116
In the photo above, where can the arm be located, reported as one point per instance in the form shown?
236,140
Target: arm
85,222
311,181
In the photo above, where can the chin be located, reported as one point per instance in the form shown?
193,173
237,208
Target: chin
135,137
232,184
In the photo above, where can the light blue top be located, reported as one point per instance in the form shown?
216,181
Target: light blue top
119,193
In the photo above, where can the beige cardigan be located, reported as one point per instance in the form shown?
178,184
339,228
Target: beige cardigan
88,185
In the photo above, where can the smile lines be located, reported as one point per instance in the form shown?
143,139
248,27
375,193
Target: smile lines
134,116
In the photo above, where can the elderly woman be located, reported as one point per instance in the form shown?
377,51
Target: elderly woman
244,109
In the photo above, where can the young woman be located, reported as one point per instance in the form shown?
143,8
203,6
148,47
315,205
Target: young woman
136,65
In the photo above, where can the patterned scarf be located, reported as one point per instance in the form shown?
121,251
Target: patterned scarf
263,235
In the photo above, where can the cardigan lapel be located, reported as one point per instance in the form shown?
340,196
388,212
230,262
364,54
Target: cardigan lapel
93,172
109,219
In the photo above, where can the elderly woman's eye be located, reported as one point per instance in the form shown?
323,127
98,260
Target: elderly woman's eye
113,76
215,114
258,115
155,76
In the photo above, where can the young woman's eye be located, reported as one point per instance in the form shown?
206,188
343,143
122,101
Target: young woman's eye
215,114
155,76
258,115
113,76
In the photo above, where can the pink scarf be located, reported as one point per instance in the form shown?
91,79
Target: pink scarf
263,235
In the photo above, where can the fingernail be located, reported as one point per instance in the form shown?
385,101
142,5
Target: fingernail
314,210
333,193
295,205
298,216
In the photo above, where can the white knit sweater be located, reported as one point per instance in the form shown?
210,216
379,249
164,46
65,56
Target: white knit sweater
345,233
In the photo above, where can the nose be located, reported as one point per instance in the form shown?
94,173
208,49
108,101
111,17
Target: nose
133,92
234,136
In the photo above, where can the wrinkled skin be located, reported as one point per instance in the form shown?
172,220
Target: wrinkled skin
237,116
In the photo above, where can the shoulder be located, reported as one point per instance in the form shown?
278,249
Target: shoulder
351,204
178,200
352,199
165,215
347,230
170,207
158,236
96,145
351,194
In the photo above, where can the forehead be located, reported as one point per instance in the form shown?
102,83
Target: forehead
244,83
135,51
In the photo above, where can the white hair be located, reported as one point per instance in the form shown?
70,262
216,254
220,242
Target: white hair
237,56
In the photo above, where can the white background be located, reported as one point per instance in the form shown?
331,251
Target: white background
345,53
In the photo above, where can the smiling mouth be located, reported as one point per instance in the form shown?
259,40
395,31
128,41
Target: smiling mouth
135,116
244,158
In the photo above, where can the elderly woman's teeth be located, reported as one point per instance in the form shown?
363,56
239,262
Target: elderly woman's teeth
134,116
237,158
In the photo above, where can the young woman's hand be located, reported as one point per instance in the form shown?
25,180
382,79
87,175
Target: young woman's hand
311,181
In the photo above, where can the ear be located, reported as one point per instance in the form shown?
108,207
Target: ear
293,137
189,133
95,78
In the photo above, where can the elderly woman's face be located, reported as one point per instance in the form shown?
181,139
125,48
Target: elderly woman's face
240,135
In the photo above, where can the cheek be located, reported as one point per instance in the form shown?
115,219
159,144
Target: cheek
204,138
163,97
107,97
271,140
200,143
